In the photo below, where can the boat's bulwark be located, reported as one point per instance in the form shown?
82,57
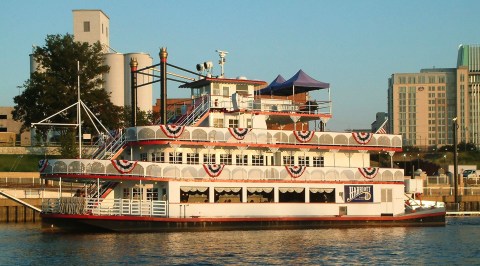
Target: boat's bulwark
59,222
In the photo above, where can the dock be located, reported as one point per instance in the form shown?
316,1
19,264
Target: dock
466,213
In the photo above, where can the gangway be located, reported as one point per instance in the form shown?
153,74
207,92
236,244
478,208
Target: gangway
20,201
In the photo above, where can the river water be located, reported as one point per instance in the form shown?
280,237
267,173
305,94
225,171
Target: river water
458,243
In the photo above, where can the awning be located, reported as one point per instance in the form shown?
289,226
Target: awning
268,90
299,83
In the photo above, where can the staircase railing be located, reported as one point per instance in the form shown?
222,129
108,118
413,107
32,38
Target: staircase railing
197,113
110,146
93,189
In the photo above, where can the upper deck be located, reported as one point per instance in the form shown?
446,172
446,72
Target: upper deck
211,136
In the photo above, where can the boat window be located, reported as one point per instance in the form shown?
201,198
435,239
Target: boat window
226,92
257,159
318,161
152,193
288,160
233,123
194,194
158,157
241,159
242,89
304,160
209,159
260,194
249,123
126,193
193,158
218,122
228,194
322,195
226,159
137,193
175,157
143,157
291,194
215,89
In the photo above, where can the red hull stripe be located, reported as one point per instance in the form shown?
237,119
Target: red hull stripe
256,219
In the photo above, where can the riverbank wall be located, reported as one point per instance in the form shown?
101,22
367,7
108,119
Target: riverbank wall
13,212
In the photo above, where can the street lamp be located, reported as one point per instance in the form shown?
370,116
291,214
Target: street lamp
455,160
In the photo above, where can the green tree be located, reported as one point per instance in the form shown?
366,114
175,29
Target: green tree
53,86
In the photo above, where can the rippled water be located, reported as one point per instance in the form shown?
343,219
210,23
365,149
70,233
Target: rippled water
456,244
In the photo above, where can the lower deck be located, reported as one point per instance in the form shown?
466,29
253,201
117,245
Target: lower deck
217,199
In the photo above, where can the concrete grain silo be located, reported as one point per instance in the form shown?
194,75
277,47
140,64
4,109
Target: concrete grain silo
114,80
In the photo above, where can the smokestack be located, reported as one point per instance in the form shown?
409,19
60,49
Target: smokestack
133,81
163,85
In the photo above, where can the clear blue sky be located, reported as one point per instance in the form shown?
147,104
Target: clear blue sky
353,45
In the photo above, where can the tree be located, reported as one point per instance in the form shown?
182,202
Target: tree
53,86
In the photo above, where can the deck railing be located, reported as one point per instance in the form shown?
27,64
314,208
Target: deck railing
99,206
228,172
263,136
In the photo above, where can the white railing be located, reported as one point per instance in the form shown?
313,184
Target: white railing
229,172
262,136
442,191
99,206
195,114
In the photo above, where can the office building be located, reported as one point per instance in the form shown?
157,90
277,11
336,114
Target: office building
421,106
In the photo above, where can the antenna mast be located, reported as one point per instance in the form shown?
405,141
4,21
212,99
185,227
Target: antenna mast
222,55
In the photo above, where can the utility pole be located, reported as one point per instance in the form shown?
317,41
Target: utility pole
455,161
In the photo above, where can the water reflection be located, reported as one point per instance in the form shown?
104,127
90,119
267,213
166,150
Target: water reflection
24,244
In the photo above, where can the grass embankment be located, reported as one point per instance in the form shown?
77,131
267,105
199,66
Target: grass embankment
20,163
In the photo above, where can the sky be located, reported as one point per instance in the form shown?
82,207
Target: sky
353,45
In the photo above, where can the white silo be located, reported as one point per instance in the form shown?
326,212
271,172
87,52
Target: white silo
144,93
35,65
114,79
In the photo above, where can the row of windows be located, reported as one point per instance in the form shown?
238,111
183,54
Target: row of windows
257,195
136,193
436,95
266,194
233,123
227,159
421,79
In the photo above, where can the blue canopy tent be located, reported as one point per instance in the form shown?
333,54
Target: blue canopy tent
268,90
299,83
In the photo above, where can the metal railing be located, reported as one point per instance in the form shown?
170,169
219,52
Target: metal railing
111,145
263,136
199,110
449,191
228,172
96,206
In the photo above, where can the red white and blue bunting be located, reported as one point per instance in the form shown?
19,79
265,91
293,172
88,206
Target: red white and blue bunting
42,164
304,135
213,170
239,133
295,171
362,137
369,172
124,166
172,131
